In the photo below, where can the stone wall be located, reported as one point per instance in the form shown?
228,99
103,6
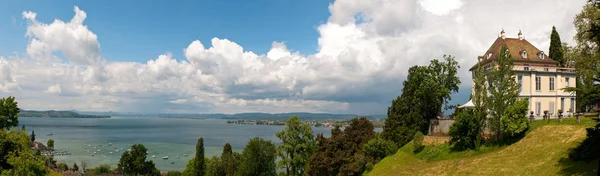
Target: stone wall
439,127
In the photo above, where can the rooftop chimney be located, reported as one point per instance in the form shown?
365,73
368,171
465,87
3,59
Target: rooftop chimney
520,35
502,33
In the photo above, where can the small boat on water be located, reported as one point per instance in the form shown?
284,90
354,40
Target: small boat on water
166,157
173,162
109,144
49,134
153,156
185,155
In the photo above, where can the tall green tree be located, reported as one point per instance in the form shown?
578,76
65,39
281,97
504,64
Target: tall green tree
556,49
426,92
9,113
231,160
445,73
258,158
32,136
297,145
503,90
134,162
199,164
587,25
479,99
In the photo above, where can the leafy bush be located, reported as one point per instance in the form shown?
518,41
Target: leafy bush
102,169
75,167
515,122
379,148
418,142
174,173
63,166
465,131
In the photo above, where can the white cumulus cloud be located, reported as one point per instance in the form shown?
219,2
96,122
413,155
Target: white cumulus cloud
364,51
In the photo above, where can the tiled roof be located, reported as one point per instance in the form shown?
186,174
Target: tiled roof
516,47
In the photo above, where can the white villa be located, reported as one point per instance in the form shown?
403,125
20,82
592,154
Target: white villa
540,77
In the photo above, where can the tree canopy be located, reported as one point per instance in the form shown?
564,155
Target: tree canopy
556,49
341,154
258,158
503,90
297,145
134,162
426,92
9,113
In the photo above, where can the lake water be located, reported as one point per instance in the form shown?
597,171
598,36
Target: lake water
171,137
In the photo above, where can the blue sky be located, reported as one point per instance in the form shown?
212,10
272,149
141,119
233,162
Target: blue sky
141,30
335,56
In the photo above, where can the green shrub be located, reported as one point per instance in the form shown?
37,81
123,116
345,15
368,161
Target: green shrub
465,131
174,173
369,167
102,169
379,148
418,142
515,121
63,166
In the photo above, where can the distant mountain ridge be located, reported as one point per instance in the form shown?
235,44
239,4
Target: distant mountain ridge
57,114
246,116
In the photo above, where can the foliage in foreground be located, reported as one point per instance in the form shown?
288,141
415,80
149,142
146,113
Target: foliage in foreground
341,153
16,157
378,148
465,131
134,162
515,121
258,158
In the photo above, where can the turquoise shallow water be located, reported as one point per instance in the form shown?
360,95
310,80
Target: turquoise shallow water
162,136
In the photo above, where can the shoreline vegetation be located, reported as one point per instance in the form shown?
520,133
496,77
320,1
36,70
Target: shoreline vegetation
58,114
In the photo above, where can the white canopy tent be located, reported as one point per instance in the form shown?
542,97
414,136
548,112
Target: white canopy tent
467,105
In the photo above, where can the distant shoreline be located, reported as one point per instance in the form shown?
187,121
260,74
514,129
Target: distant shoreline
57,114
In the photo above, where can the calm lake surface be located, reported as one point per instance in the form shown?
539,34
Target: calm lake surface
171,137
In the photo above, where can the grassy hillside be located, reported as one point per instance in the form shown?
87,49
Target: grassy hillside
543,151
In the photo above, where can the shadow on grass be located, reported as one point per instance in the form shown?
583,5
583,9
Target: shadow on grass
570,167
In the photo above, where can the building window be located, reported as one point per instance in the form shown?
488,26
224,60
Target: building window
520,81
538,108
489,55
524,54
551,83
567,82
538,83
546,69
526,67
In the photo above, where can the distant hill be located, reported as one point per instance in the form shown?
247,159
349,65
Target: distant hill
57,114
245,116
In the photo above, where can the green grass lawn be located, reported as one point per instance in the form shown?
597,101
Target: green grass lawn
543,151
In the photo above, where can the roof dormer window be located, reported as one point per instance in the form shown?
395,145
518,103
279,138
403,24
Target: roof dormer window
489,55
542,55
524,54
